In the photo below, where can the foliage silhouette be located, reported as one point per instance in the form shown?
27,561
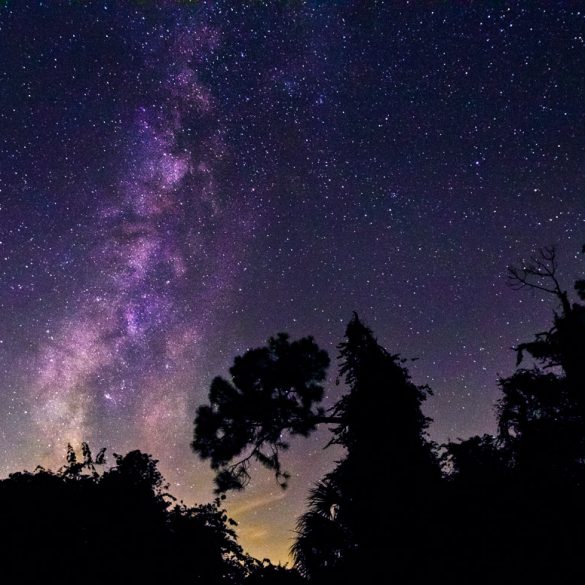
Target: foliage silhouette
383,431
520,493
273,390
507,507
87,524
542,411
378,421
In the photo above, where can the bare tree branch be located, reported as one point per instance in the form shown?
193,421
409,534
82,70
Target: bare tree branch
540,273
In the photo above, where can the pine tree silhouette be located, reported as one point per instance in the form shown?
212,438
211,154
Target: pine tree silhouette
371,507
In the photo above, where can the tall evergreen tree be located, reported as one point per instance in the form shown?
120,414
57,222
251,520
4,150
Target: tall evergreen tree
371,507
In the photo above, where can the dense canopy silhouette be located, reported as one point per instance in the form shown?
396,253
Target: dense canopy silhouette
395,508
378,421
87,523
273,390
529,477
398,507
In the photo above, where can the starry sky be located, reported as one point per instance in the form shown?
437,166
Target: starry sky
181,180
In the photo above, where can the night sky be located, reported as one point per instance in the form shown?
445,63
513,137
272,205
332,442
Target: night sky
181,180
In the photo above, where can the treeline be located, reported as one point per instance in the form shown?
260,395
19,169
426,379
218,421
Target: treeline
86,523
397,508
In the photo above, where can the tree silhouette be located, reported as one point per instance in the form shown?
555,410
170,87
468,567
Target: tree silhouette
378,421
322,542
383,431
542,411
117,525
74,468
507,507
266,573
516,500
273,390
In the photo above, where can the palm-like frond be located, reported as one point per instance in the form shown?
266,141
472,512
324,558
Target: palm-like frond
322,539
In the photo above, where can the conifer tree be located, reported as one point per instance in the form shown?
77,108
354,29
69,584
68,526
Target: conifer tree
366,515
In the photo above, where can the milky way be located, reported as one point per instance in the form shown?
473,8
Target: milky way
161,233
180,180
